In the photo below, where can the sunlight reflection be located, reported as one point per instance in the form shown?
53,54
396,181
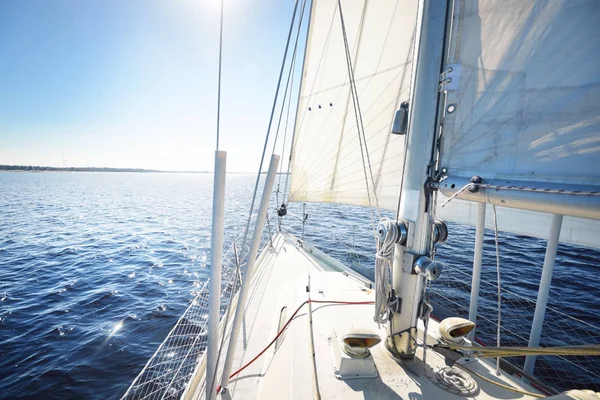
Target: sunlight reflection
116,328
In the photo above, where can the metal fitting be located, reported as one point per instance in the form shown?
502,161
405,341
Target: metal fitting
475,188
426,266
399,229
440,231
400,120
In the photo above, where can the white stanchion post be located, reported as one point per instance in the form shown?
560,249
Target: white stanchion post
243,297
544,290
479,234
216,256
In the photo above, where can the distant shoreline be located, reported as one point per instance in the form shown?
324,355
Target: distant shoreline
36,168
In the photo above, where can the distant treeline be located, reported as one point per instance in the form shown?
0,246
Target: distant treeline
71,169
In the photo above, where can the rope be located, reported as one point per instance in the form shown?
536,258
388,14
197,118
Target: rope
454,380
491,352
457,380
219,84
388,230
456,194
499,288
512,389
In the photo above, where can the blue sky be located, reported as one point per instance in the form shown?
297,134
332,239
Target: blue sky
133,83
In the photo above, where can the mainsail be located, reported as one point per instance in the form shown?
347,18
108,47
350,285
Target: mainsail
327,164
526,91
522,109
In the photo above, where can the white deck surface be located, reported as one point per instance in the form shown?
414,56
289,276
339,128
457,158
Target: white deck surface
288,372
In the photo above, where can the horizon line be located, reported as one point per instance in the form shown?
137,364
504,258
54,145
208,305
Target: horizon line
40,168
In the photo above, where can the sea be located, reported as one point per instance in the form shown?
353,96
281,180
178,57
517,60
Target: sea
96,268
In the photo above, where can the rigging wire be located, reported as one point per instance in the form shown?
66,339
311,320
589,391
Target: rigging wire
288,86
359,121
247,228
262,159
287,175
285,93
219,81
287,118
214,376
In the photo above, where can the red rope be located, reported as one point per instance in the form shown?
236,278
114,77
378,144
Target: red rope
289,321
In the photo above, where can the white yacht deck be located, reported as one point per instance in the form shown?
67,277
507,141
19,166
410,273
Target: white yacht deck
287,370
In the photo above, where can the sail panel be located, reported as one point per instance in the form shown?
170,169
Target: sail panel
526,102
327,160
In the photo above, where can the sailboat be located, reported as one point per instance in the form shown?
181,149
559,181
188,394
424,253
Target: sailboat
485,113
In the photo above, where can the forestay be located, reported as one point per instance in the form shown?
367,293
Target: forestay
327,164
522,105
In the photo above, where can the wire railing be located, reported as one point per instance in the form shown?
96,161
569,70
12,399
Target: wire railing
450,295
168,371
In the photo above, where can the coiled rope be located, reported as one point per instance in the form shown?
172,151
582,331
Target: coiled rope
388,235
454,380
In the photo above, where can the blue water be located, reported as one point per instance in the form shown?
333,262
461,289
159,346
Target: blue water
95,269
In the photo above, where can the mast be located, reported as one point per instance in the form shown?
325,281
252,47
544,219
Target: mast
407,284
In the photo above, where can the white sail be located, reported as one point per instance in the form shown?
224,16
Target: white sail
327,164
525,91
522,107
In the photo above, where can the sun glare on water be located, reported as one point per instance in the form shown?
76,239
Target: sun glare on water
116,328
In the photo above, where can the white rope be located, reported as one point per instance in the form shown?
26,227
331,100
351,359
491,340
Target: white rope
388,230
456,194
454,380
499,292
